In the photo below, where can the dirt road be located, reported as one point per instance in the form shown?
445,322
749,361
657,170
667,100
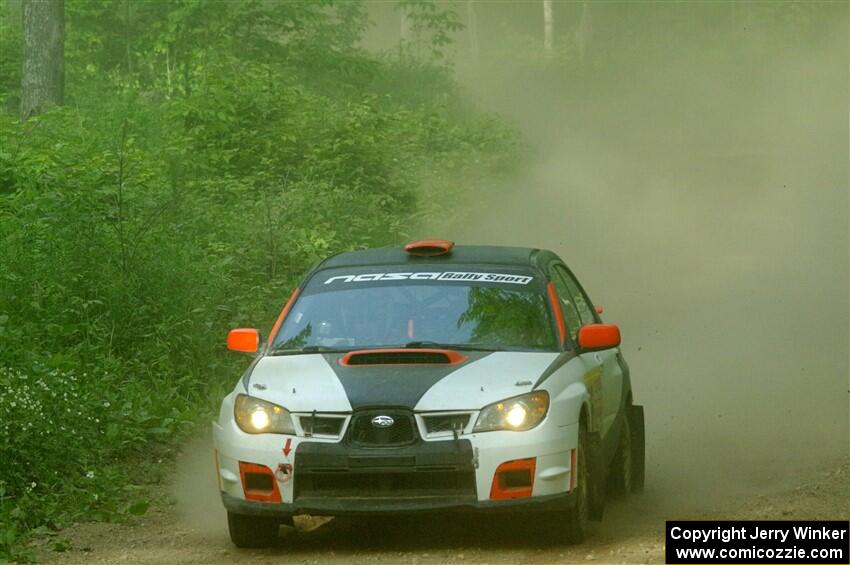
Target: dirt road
191,531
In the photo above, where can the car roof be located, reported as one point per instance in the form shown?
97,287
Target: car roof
460,254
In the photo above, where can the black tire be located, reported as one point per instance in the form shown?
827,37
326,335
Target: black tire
578,517
620,475
638,438
252,531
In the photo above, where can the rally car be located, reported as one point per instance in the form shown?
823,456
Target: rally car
430,378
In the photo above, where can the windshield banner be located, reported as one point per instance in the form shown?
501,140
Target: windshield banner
446,276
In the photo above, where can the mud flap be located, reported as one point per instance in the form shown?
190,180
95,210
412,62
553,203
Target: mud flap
636,423
597,477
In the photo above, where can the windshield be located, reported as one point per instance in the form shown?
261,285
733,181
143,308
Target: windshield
419,315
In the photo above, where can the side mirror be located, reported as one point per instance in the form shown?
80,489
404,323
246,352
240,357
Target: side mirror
599,309
246,340
593,337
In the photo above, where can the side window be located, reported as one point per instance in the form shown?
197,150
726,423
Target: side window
571,315
585,312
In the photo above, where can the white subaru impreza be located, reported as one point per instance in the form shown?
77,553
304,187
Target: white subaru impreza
430,378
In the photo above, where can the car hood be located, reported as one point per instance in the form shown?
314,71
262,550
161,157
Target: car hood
303,383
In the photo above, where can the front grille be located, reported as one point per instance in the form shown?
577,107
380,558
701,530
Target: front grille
321,425
339,475
399,358
445,423
388,484
363,433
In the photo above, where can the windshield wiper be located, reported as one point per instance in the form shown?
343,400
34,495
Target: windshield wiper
459,346
308,349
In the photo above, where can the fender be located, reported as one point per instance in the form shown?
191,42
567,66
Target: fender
566,407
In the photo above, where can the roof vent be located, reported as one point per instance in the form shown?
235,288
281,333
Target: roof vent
402,357
429,247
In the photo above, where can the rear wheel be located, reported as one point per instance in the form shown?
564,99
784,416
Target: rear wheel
252,531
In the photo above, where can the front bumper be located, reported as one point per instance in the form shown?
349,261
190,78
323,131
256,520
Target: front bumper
349,507
332,477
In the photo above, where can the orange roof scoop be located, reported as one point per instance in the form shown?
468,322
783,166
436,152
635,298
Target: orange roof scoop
429,247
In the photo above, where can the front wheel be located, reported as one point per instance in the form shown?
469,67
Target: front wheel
252,531
572,525
578,517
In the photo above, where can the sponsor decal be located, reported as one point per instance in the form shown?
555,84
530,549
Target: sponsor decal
450,276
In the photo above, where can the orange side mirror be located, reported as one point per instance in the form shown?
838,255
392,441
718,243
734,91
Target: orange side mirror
598,336
246,340
599,309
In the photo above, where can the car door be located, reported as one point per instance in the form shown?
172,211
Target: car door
611,374
590,367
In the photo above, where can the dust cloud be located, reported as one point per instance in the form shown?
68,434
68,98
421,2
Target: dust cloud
702,199
195,490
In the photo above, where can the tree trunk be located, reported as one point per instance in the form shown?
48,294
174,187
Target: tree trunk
43,76
547,27
472,28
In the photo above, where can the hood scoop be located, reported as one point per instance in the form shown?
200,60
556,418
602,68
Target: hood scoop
402,357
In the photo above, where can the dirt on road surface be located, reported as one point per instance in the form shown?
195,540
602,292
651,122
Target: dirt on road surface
189,528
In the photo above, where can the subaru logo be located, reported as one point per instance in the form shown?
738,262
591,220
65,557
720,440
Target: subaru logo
382,421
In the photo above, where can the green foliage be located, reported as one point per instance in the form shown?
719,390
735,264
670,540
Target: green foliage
431,27
61,426
209,154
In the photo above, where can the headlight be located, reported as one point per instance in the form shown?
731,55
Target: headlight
255,416
519,413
